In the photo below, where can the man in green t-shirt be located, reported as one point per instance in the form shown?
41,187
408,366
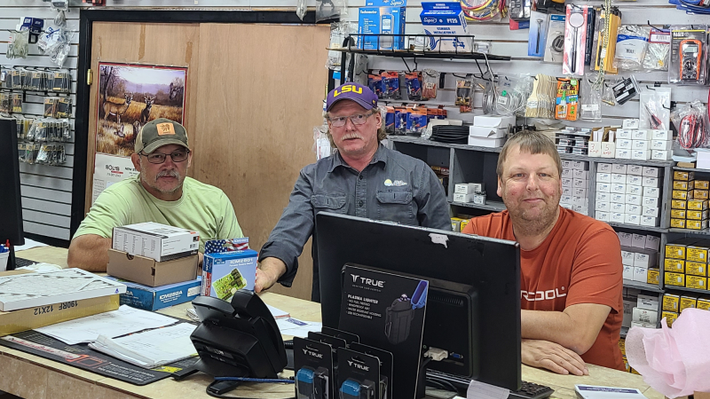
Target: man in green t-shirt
161,193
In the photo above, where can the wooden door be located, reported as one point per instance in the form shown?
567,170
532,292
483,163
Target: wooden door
253,95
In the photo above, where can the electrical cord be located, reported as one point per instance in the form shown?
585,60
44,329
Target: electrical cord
214,392
691,133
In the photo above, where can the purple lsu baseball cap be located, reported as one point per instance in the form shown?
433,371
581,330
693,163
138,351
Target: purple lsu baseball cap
352,91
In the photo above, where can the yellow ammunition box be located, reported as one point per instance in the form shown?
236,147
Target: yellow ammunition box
703,303
669,316
696,254
697,205
675,251
698,194
700,185
678,223
652,276
671,302
680,195
674,265
696,224
682,185
699,283
679,204
696,269
684,176
696,215
675,279
687,302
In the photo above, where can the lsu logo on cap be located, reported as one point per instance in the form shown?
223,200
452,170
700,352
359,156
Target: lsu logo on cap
346,89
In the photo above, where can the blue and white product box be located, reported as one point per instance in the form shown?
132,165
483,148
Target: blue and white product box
382,17
153,298
445,19
226,272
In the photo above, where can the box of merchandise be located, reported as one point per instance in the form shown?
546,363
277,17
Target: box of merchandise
378,19
228,266
442,19
148,271
26,319
157,241
153,298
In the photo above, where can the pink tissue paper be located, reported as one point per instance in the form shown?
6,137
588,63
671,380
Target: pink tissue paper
674,362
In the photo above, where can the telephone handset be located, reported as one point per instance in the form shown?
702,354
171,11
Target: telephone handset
240,339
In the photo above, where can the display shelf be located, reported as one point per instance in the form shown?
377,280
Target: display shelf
642,286
494,206
688,231
659,164
686,289
691,169
638,227
421,141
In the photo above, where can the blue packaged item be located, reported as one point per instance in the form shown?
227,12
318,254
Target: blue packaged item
226,272
381,24
153,298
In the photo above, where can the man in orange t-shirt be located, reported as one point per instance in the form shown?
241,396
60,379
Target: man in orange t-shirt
571,273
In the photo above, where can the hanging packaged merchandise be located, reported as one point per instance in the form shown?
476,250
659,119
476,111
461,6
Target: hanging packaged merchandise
625,90
520,10
608,97
631,47
414,85
18,46
591,25
464,92
567,99
575,39
5,103
538,34
590,100
688,56
416,120
659,46
691,122
330,9
430,82
374,82
389,120
390,85
339,31
655,108
555,40
607,41
484,10
400,120
541,102
511,94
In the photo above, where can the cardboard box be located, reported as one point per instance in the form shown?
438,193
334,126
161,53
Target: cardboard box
154,240
696,254
701,184
682,185
671,302
696,269
636,170
26,319
696,215
681,175
386,17
225,273
696,224
649,302
699,283
669,316
703,304
697,205
628,272
678,223
148,271
675,251
645,316
640,274
687,302
675,279
674,265
653,276
445,18
153,298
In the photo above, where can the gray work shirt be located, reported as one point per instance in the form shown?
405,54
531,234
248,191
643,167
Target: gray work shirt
393,187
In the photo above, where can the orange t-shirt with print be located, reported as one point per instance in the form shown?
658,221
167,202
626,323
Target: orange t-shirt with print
579,262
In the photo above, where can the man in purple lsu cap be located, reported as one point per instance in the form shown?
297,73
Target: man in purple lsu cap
363,178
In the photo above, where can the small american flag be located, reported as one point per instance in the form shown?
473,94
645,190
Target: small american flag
226,245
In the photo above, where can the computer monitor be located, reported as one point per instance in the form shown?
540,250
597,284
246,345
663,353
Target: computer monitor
475,288
10,203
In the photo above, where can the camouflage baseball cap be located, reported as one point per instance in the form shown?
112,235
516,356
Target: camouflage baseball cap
160,132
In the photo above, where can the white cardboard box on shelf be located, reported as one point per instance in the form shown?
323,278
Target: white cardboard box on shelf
606,167
628,272
486,142
624,144
618,168
635,170
634,189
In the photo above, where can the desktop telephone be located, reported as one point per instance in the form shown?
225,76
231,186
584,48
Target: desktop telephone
240,339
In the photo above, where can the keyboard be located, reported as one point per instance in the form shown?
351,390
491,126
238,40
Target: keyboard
22,262
528,390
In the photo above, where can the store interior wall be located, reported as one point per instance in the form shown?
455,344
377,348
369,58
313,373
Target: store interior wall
47,190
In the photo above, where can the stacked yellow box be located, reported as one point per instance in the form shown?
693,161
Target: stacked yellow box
686,264
689,204
674,304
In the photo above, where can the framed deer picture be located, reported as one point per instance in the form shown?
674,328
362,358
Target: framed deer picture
129,96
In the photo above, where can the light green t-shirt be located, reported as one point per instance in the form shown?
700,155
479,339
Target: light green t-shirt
202,207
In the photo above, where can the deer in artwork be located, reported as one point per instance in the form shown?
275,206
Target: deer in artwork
111,108
146,111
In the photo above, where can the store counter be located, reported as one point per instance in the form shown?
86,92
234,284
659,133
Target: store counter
31,376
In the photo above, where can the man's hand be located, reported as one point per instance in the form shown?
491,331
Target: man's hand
552,356
268,272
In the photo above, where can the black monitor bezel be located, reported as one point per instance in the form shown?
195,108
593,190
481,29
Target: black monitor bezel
10,199
344,239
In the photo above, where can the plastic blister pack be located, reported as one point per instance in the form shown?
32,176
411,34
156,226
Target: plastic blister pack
691,122
659,47
688,54
631,47
655,105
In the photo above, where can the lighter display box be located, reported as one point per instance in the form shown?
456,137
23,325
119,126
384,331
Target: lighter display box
156,241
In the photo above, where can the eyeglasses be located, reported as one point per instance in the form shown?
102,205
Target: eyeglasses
159,157
357,119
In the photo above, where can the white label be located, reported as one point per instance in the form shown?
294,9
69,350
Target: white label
660,37
590,107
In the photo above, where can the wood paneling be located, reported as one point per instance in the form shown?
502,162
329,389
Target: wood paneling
260,96
142,43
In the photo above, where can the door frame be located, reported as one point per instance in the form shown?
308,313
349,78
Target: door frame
86,19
